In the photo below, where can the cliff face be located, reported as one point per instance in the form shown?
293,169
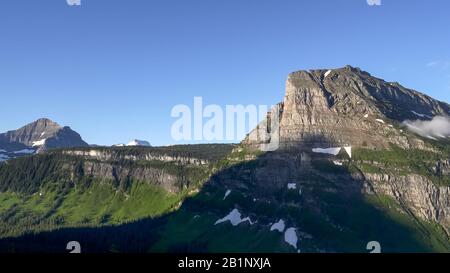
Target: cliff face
170,171
106,155
121,176
416,194
346,107
349,107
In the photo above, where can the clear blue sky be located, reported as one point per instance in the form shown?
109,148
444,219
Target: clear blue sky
113,69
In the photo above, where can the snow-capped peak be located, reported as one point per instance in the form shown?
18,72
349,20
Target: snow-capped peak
138,142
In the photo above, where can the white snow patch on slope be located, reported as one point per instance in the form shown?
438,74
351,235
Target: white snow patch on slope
234,217
420,115
25,151
380,120
331,151
43,133
327,73
291,186
39,142
290,237
278,226
226,194
348,149
366,115
337,163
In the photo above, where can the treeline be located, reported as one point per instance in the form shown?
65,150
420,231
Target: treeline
27,174
211,152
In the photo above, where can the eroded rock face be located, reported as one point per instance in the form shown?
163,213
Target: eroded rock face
105,155
121,175
346,107
349,107
416,193
40,135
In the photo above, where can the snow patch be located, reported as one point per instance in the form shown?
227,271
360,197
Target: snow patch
332,151
420,115
290,237
291,186
327,73
226,194
39,142
24,151
348,149
278,226
380,120
234,217
366,115
337,163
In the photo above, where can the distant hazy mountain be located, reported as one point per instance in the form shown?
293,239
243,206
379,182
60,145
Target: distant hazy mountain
137,142
134,142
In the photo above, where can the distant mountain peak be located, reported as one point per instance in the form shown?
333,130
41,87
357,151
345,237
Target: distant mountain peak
137,142
40,135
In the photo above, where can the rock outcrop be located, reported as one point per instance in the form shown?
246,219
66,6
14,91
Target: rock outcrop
345,107
417,194
349,107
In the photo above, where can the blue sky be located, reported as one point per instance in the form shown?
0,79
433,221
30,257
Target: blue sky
113,69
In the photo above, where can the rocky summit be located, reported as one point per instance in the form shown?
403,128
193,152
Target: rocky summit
38,136
345,107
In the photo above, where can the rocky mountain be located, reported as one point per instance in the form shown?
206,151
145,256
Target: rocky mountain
345,159
39,136
345,107
135,142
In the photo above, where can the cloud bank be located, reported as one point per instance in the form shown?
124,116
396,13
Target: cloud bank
438,127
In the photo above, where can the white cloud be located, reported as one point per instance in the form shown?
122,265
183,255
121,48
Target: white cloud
438,127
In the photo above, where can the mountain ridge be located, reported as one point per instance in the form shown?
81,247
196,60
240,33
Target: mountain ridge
346,173
347,106
40,135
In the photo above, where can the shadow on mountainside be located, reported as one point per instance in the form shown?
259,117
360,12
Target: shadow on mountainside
326,207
